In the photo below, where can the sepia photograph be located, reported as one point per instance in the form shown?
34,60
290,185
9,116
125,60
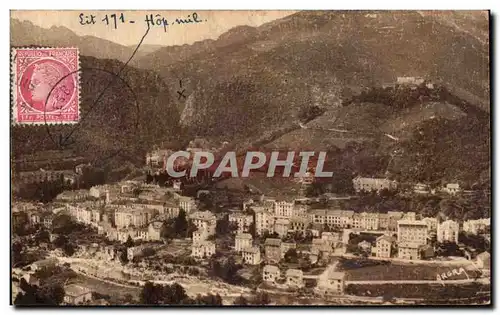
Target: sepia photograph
250,158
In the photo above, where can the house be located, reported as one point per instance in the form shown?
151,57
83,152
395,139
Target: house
409,250
45,263
410,80
321,246
331,283
432,224
384,246
294,278
365,184
476,226
204,220
298,224
154,230
333,218
421,189
483,260
447,231
452,189
273,249
243,221
251,255
35,219
242,241
330,237
204,249
76,294
270,273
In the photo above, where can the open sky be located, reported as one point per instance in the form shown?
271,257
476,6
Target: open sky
213,24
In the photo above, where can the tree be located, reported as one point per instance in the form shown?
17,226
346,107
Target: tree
123,257
42,236
34,295
181,224
129,243
291,256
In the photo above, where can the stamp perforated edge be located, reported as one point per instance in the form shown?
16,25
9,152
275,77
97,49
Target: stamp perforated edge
13,89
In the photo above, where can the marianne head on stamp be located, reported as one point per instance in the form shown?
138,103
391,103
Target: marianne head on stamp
47,87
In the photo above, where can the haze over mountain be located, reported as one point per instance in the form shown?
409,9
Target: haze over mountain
26,33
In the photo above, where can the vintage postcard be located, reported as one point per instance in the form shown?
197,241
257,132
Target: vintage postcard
252,158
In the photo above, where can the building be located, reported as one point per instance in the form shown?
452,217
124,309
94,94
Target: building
298,224
204,249
170,209
294,278
204,221
452,189
447,231
45,263
333,218
242,241
281,226
154,230
270,273
133,216
421,189
366,184
410,80
321,246
412,232
243,221
369,221
263,220
251,255
394,217
199,236
432,224
409,250
383,221
331,283
476,226
384,245
284,208
76,294
331,237
273,249
186,203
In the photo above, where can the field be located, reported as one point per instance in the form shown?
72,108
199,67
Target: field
376,270
116,292
431,292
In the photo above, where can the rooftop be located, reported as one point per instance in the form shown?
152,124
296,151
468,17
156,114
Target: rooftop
244,236
273,242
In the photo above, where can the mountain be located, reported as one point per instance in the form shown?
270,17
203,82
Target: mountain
251,80
26,33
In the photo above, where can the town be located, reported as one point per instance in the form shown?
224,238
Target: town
247,247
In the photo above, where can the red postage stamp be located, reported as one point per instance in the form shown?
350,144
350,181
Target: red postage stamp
45,86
